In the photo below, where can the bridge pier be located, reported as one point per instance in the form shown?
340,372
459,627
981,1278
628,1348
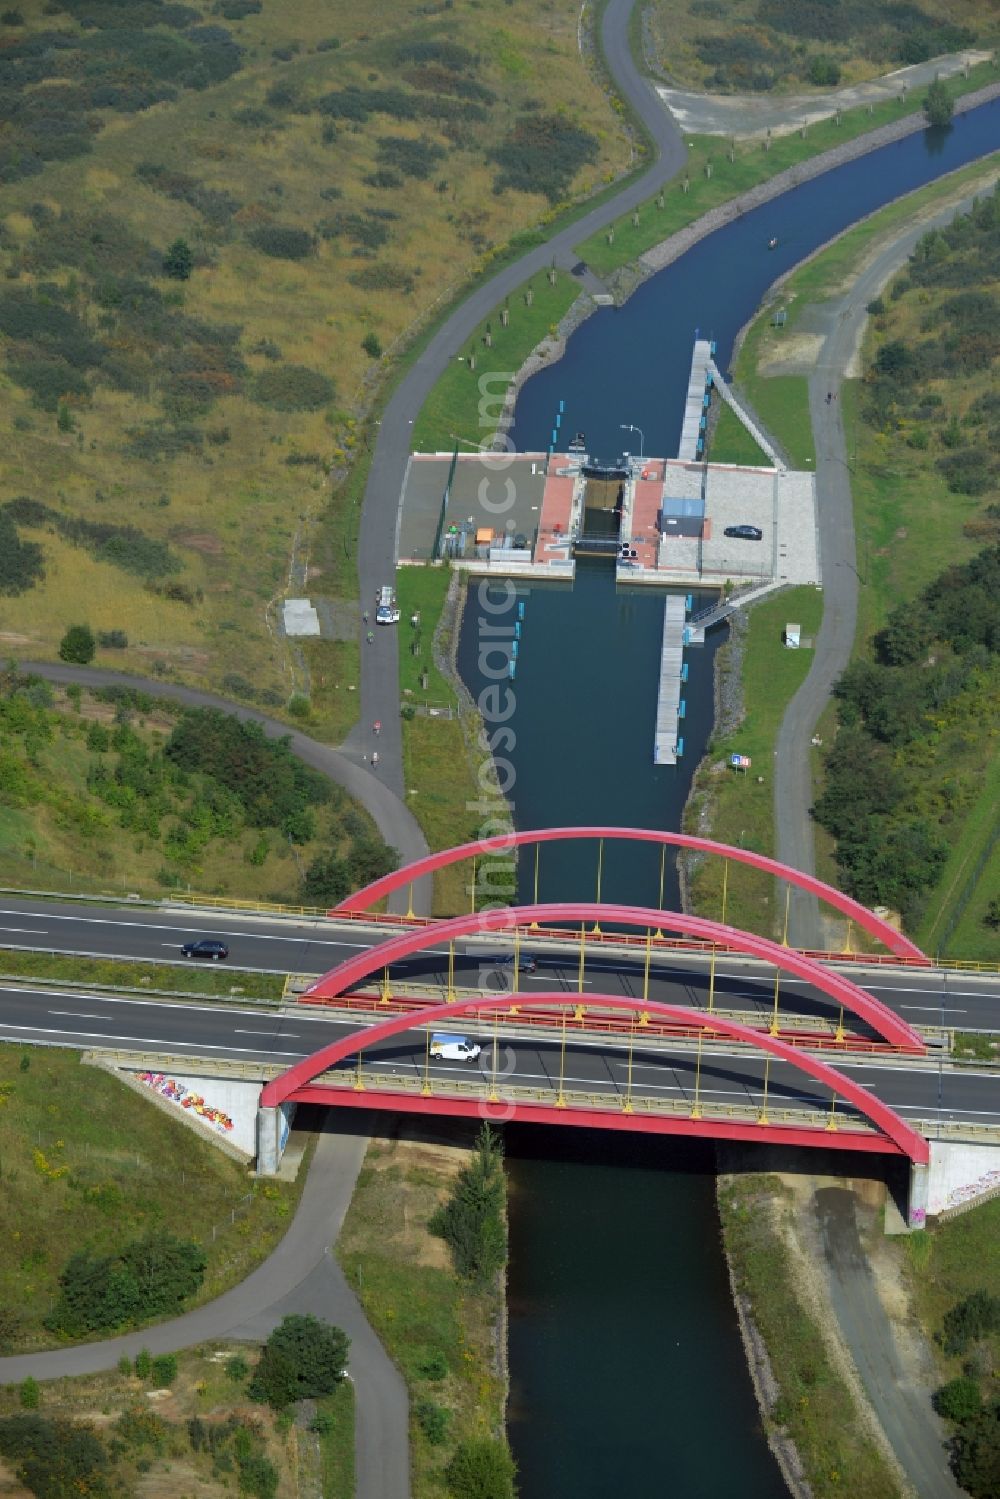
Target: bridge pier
272,1132
918,1196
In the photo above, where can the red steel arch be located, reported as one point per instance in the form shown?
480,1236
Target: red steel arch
839,988
874,925
903,1138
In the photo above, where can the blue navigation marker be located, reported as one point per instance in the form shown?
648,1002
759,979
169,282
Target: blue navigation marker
680,748
562,406
684,671
517,629
511,668
555,438
682,708
558,419
513,649
688,601
520,609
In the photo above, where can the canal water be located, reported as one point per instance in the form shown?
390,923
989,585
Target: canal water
627,1374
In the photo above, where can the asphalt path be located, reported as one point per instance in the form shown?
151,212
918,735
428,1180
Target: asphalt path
929,997
379,516
841,321
661,1068
393,818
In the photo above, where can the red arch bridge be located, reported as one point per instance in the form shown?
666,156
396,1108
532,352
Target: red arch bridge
596,1058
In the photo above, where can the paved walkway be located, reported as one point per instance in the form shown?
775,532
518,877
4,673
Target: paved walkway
300,1276
392,817
749,115
840,323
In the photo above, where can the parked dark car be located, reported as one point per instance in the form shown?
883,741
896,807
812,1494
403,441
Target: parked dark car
745,533
206,947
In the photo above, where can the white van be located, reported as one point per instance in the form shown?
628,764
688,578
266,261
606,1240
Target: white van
386,609
454,1048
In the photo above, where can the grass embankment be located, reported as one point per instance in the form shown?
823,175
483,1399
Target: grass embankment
337,149
178,1444
730,442
781,48
90,802
207,979
751,165
457,407
440,1331
85,1161
741,811
814,1407
947,1263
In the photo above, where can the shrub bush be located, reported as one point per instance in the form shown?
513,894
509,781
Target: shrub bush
975,1317
78,645
542,154
282,242
433,1421
292,387
148,1278
414,158
112,640
384,276
958,1400
21,562
471,1221
481,1469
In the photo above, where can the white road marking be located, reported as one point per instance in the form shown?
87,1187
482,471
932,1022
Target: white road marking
29,931
74,1016
285,1035
145,1043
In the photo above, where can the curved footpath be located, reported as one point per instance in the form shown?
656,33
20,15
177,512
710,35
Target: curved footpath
300,1276
391,815
377,541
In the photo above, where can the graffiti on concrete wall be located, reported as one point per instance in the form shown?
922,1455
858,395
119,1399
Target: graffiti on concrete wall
178,1093
969,1191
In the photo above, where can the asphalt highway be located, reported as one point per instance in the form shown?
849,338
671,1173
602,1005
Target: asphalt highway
58,1016
930,997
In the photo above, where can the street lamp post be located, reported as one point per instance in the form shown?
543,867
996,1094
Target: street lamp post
628,427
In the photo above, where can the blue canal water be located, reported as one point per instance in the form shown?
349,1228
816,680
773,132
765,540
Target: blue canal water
631,364
627,1375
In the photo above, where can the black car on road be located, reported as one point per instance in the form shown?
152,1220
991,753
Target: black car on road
745,533
206,947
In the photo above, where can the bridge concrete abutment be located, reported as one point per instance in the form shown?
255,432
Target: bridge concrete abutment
273,1126
918,1195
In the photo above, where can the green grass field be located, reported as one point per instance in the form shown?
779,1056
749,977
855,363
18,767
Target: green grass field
194,979
85,1161
732,443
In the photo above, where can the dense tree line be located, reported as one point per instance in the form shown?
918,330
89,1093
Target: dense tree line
934,666
974,1411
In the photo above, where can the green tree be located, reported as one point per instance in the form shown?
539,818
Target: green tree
481,1469
938,105
178,260
326,881
28,1394
78,645
958,1400
976,1454
471,1221
302,1358
372,346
